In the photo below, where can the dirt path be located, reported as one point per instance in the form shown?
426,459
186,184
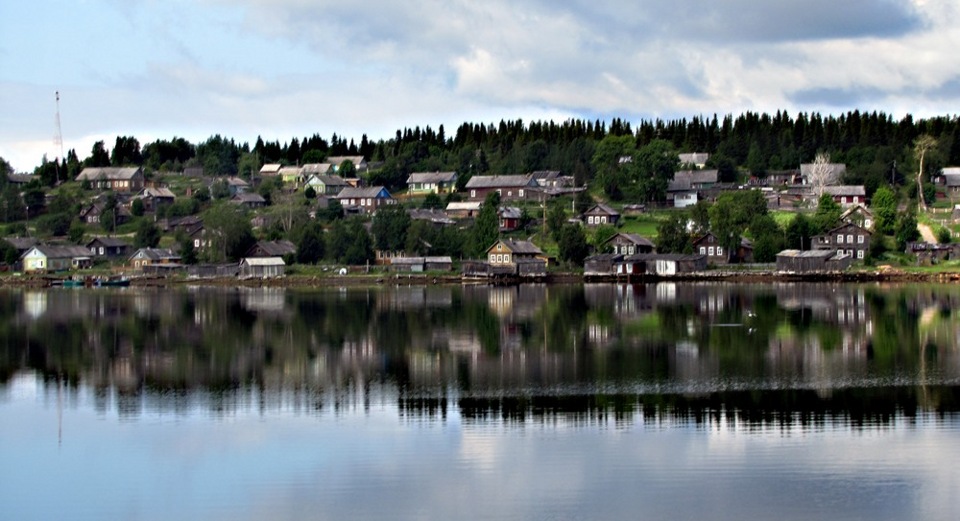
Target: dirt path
927,233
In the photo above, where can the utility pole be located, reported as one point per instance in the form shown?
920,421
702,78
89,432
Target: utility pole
58,139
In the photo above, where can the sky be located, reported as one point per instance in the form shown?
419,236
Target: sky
156,69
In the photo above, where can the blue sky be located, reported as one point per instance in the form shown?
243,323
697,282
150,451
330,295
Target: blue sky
284,68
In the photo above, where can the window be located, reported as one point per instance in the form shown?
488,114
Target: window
603,220
506,258
631,250
860,239
859,254
839,238
711,250
509,193
840,252
719,250
499,247
520,193
703,250
473,193
499,258
590,219
101,250
849,239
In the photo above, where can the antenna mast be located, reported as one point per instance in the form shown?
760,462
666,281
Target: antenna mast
58,139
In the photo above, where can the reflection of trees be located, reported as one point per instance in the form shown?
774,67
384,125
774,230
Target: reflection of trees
482,339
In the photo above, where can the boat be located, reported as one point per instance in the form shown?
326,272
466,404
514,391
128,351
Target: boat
114,282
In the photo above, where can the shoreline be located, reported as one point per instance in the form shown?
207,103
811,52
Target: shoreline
411,279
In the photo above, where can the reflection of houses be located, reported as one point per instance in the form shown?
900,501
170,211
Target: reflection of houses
847,239
43,257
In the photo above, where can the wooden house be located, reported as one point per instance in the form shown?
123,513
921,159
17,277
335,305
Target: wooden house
359,163
600,265
710,246
118,179
601,214
108,247
249,200
859,215
661,264
421,264
364,200
694,159
431,182
510,187
509,217
463,209
93,213
847,195
326,185
686,185
628,244
270,169
47,258
846,239
155,198
508,251
153,256
235,186
290,175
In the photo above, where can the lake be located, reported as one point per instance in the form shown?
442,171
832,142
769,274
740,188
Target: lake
534,402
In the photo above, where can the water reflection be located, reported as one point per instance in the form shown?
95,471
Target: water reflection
693,352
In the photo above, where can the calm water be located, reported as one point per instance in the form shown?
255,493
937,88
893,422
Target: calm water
668,401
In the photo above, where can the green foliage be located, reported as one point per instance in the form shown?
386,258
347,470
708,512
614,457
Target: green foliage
583,202
655,163
188,253
8,254
432,201
202,194
700,217
310,193
219,190
944,236
884,205
348,242
347,169
602,234
572,244
136,207
55,224
148,235
389,228
733,213
98,156
76,232
126,151
556,218
310,246
183,207
333,211
672,236
799,231
11,205
768,238
827,215
607,165
486,229
228,228
906,230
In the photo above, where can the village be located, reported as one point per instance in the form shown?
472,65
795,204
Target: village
617,240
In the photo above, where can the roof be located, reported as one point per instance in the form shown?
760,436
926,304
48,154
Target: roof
854,209
156,254
60,252
264,261
808,254
110,242
831,231
677,257
685,179
434,216
499,181
157,192
632,238
236,181
22,243
460,206
601,209
337,160
270,168
108,172
375,192
845,190
289,170
315,168
522,247
327,180
509,212
694,158
431,177
544,175
421,260
275,248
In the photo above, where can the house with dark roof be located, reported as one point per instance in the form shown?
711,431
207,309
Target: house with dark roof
509,251
154,198
601,214
950,179
272,249
686,185
93,213
796,261
359,163
108,247
628,244
325,184
235,186
118,179
22,244
364,200
249,200
431,182
847,195
510,187
859,215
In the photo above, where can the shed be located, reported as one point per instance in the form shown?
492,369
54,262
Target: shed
261,267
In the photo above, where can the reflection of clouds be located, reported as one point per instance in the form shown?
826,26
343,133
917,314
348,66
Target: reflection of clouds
479,449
